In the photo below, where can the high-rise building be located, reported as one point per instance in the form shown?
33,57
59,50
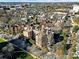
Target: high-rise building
41,38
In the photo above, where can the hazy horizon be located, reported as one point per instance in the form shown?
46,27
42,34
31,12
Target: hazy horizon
39,0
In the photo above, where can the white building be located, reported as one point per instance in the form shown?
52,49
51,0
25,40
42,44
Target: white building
75,9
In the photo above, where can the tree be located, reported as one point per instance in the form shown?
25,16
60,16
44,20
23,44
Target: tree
76,20
75,28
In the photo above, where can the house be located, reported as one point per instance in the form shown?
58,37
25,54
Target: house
28,32
15,29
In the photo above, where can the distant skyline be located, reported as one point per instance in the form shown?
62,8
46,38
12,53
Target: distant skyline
39,0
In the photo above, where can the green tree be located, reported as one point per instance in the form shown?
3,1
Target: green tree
75,28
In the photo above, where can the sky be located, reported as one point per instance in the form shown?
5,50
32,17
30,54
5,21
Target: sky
39,0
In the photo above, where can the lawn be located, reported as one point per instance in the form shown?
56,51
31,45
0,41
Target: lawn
2,40
29,57
24,56
75,57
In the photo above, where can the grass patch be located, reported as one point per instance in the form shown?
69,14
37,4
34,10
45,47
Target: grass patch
75,57
2,40
24,56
